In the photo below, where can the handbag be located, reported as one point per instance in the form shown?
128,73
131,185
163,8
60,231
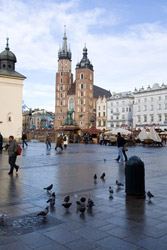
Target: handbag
125,148
19,150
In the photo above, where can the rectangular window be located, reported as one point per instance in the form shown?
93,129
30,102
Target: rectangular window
145,118
90,86
123,117
138,100
111,117
151,107
99,114
83,109
145,99
111,110
138,108
159,98
123,110
152,99
165,115
138,118
166,98
78,109
104,107
104,123
151,118
159,118
159,106
99,107
104,113
145,108
165,105
84,100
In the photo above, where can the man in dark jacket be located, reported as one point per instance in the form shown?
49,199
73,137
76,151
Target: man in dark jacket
12,152
24,138
120,143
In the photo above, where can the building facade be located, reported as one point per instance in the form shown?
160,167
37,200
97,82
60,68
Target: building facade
150,107
120,110
11,91
101,116
75,102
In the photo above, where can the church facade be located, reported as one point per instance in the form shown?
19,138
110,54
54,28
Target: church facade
11,89
75,101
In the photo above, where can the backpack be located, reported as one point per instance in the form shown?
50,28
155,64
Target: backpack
64,138
19,150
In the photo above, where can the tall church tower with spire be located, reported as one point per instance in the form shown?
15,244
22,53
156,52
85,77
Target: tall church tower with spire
64,81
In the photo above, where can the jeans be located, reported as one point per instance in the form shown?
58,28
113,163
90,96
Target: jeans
120,153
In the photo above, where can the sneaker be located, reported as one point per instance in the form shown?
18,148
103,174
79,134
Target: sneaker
10,172
116,159
17,168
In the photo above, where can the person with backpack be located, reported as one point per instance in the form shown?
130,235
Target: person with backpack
120,143
13,148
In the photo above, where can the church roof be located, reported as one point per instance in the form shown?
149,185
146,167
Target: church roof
97,91
64,51
85,62
11,73
71,91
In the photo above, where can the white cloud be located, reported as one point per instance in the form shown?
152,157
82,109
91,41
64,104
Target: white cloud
122,61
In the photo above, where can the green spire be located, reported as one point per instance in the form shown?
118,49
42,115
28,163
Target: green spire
7,44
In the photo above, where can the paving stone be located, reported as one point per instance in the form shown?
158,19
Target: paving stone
15,245
34,239
54,246
82,244
61,236
153,244
90,233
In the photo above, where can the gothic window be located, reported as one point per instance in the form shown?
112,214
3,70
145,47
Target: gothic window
81,76
71,103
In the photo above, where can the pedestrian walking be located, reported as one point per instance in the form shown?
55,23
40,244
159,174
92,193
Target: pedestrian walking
59,143
48,142
124,153
1,142
12,152
120,143
24,138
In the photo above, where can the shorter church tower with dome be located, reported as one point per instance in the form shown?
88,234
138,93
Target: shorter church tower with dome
11,92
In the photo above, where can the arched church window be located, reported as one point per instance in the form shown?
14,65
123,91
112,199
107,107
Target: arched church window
71,103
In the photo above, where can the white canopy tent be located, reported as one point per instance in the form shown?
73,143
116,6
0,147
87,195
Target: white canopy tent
118,130
143,135
153,135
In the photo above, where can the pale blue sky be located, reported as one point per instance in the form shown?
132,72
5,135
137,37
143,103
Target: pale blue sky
126,41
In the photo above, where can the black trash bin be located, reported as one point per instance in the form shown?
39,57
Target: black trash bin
135,177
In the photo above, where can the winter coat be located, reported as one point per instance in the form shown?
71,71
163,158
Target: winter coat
13,148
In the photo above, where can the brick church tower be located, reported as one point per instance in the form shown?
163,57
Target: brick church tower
64,80
84,92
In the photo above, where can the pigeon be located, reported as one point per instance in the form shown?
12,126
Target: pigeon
82,200
119,184
95,177
2,219
150,195
102,176
52,200
78,204
67,204
111,191
90,203
104,160
49,187
82,209
67,198
44,212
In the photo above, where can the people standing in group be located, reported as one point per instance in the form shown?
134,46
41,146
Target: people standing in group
1,142
65,141
59,143
120,143
24,138
48,142
12,152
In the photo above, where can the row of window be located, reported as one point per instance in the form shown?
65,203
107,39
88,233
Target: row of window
151,118
128,109
151,107
83,86
118,117
104,107
159,98
117,104
101,123
104,114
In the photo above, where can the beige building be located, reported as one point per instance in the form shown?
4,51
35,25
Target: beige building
11,89
101,113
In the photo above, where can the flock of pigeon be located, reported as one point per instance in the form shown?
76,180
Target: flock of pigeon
81,204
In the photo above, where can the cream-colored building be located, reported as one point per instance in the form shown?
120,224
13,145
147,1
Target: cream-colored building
11,91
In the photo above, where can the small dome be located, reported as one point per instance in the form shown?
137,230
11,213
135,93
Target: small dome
8,55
